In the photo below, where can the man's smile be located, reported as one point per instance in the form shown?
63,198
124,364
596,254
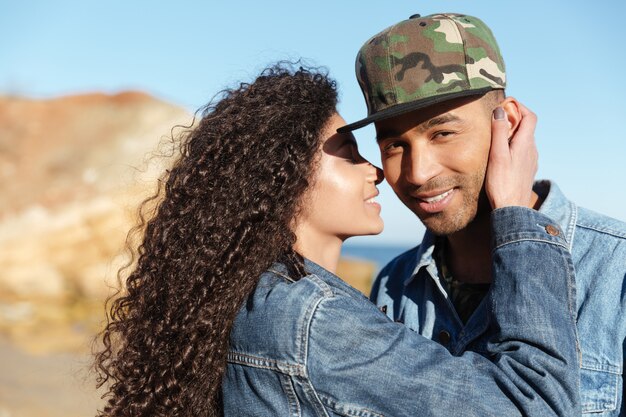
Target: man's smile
437,202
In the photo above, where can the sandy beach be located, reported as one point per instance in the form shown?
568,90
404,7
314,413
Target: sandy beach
45,385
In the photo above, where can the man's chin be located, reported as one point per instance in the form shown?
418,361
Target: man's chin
441,225
443,230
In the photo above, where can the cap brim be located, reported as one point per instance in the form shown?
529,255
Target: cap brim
403,108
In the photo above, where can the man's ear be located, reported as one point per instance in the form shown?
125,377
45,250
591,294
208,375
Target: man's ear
513,114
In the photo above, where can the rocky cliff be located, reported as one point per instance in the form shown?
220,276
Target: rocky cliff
72,172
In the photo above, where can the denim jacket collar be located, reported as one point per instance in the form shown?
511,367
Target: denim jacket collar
311,268
554,205
423,256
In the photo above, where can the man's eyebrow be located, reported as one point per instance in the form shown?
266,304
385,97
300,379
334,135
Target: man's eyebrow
435,121
439,120
385,134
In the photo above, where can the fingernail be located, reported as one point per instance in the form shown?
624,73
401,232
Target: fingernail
498,113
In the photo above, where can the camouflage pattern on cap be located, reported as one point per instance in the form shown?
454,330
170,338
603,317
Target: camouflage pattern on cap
426,60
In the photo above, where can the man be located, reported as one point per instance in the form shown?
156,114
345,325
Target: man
431,84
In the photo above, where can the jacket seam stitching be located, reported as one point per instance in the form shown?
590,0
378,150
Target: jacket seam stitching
270,364
332,403
609,369
535,239
609,232
572,304
292,398
306,331
572,225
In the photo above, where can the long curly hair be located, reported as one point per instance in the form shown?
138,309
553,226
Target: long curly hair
224,214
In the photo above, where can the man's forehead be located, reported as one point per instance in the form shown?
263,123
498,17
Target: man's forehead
397,125
422,119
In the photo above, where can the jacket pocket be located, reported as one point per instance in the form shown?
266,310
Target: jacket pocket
599,387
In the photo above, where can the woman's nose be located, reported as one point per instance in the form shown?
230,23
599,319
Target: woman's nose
375,174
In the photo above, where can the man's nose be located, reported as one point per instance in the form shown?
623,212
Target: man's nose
419,166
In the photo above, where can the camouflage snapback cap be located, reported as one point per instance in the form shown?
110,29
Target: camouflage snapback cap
426,60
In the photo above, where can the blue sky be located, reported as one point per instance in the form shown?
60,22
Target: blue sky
565,60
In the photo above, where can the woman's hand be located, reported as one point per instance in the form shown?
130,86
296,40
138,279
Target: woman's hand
512,163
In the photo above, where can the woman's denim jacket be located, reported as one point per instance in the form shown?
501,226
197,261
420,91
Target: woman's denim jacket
317,347
410,288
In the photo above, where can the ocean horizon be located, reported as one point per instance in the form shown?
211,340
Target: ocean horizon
378,254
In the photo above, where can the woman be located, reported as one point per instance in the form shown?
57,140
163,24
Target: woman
232,306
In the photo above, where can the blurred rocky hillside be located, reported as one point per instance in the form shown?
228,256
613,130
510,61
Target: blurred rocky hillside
72,171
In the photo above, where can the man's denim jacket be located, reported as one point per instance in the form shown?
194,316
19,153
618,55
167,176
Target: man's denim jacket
410,288
317,347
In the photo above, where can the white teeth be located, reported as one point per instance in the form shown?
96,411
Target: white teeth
438,197
371,200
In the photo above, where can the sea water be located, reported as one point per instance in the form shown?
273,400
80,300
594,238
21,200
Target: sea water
379,254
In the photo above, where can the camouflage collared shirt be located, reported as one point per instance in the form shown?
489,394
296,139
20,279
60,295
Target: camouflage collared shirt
465,297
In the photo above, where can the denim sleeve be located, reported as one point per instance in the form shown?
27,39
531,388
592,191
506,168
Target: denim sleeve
361,363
